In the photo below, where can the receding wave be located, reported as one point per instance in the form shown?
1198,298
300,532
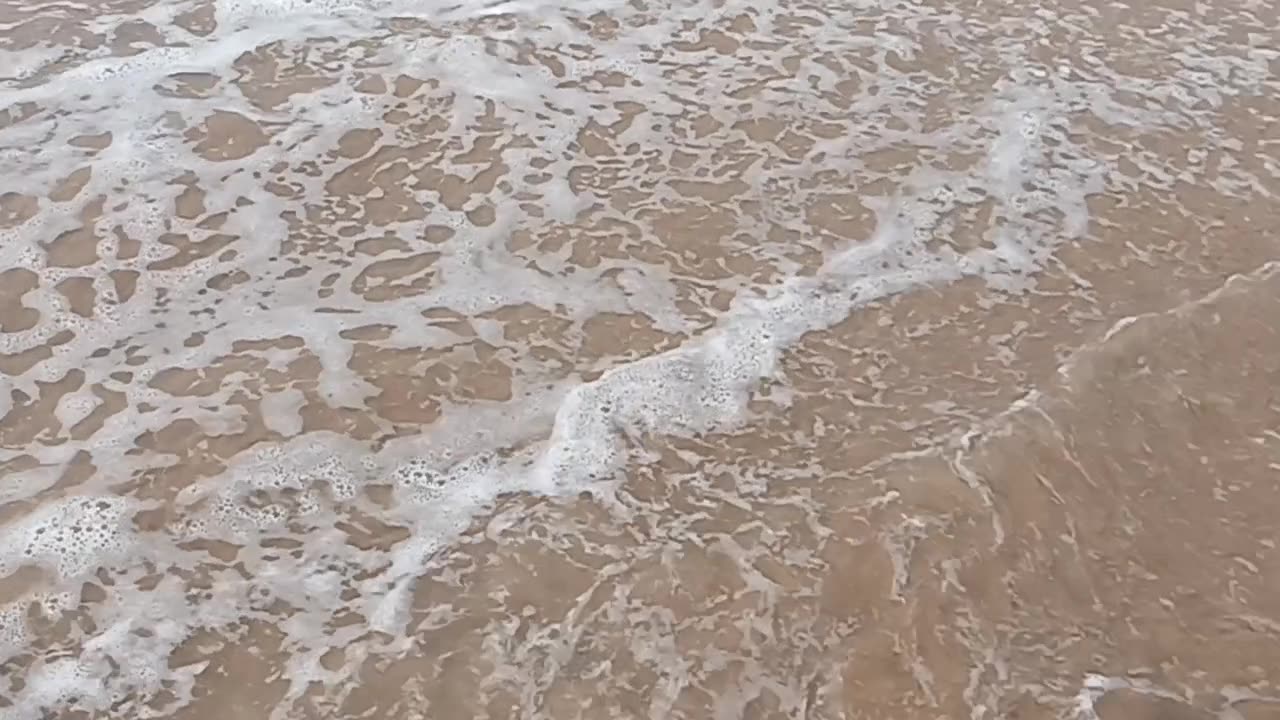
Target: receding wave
626,359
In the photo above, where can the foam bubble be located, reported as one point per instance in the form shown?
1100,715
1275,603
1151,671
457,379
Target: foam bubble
70,537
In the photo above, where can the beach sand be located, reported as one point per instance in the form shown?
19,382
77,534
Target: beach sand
711,359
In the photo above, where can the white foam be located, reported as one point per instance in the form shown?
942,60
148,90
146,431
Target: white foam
281,411
69,537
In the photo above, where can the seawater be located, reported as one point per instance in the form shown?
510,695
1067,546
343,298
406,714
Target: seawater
324,325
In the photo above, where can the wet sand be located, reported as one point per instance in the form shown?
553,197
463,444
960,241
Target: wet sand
799,360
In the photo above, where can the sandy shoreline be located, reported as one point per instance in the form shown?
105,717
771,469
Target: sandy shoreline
678,360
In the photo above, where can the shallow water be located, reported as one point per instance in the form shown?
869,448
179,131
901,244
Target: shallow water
876,359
